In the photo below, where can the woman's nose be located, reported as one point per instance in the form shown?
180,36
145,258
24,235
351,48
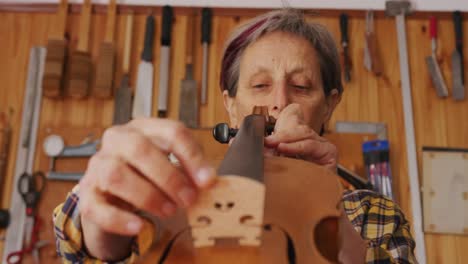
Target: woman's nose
280,99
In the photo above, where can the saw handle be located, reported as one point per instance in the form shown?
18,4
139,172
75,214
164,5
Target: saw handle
206,25
147,53
433,27
457,22
167,17
344,27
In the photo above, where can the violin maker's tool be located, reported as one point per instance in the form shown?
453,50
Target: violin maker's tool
399,9
105,64
143,101
458,90
4,151
167,17
188,110
80,65
30,186
206,39
372,60
55,148
4,219
5,146
26,147
431,61
379,129
56,54
123,96
345,45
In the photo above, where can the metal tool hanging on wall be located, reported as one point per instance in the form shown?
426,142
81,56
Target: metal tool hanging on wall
80,64
54,147
123,95
400,9
105,64
26,147
345,46
457,59
4,151
53,81
143,100
166,29
431,61
206,40
372,61
188,106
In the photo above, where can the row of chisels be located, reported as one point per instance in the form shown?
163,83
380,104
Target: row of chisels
143,99
77,76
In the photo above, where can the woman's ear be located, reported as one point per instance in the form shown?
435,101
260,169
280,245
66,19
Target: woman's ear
332,101
231,107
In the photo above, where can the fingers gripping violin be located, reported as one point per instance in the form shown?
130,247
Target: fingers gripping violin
260,210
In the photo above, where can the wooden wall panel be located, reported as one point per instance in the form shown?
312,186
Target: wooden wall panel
367,98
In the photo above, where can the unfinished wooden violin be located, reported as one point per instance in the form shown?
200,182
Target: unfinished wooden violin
260,210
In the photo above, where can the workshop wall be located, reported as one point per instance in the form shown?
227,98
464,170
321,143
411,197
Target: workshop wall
438,122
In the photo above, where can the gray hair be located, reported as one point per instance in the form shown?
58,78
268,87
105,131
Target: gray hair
286,20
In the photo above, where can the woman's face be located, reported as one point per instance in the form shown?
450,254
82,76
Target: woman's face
279,69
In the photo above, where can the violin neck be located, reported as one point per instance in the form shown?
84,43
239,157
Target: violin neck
245,155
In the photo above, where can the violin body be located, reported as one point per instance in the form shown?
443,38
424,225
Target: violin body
298,197
260,210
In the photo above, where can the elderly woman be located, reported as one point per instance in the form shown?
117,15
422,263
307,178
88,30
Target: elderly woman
278,60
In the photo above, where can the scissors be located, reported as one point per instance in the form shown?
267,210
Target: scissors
30,187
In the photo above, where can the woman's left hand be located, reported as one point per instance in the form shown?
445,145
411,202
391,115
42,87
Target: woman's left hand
294,138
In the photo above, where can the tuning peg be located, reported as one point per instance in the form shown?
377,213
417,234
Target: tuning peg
223,133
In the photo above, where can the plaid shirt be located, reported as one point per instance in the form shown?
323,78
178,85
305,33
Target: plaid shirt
378,219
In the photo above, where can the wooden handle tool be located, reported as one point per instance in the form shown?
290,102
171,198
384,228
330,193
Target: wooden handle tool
104,74
79,68
56,50
123,95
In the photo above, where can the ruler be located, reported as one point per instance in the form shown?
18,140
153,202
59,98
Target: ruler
399,9
379,129
25,154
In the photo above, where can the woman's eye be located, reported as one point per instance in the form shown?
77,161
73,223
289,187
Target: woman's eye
260,85
301,87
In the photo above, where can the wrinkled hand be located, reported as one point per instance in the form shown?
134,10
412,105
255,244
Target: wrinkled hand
132,172
294,138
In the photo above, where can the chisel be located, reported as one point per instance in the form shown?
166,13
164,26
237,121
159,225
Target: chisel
80,64
372,60
144,86
5,147
206,39
165,59
53,82
123,95
188,110
431,61
457,59
345,45
104,69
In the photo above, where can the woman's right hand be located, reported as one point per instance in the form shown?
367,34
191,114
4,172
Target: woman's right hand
132,171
